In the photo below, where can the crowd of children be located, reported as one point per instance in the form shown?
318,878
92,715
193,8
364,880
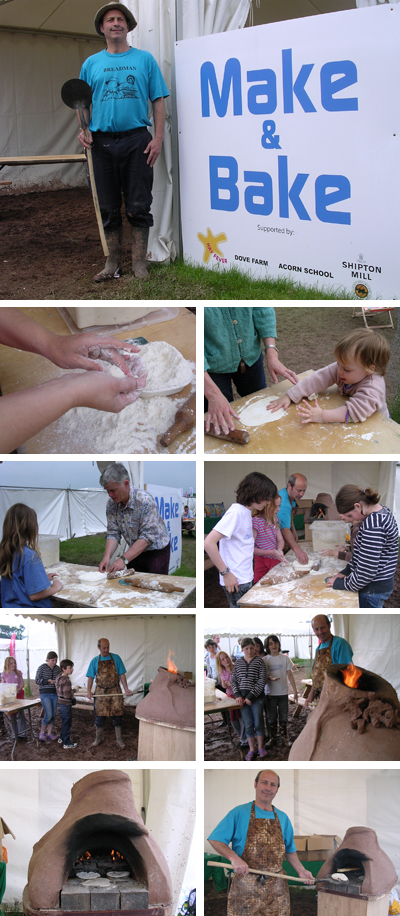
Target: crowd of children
258,680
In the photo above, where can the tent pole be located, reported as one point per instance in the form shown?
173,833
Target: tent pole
176,35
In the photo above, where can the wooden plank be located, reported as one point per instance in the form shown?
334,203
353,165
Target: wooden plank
376,436
335,904
161,742
25,370
42,160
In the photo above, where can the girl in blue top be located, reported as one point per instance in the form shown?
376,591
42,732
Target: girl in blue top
24,581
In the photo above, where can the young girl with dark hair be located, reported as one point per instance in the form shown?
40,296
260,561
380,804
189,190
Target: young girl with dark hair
230,544
24,581
370,572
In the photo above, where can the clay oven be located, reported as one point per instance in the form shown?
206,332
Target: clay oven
102,831
167,718
361,860
352,723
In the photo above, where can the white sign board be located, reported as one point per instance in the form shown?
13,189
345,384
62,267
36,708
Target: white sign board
289,150
169,505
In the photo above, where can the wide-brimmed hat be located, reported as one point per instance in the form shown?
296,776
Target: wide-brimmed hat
114,6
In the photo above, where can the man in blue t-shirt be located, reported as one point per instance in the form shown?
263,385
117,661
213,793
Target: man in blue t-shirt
123,79
257,835
107,669
294,490
332,650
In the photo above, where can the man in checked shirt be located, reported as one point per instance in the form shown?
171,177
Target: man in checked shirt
133,515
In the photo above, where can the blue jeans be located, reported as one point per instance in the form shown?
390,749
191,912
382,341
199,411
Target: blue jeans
253,717
233,597
248,382
66,719
49,703
369,599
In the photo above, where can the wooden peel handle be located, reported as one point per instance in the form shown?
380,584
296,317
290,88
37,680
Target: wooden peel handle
256,871
185,418
240,436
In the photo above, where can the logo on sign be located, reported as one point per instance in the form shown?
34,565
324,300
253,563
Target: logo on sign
211,246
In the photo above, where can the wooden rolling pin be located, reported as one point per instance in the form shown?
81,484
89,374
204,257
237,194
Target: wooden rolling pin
240,436
185,418
137,582
255,871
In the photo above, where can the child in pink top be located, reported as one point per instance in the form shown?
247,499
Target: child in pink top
361,360
225,671
12,675
268,540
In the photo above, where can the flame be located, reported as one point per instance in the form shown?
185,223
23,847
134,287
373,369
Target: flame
351,675
170,664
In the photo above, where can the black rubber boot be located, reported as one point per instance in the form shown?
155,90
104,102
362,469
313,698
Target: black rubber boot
140,238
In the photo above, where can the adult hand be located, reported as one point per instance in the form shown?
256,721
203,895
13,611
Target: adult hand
153,149
240,867
220,414
128,693
301,556
85,138
275,367
104,565
78,351
310,414
118,565
103,392
306,875
231,583
283,401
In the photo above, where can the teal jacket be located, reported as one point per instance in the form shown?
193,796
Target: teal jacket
232,334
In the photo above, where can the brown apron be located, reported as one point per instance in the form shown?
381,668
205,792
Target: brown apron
323,658
107,681
265,850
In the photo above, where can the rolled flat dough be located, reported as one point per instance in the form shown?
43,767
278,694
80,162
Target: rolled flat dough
90,577
303,567
256,414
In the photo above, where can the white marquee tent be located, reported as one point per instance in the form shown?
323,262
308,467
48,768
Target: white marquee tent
321,801
32,801
143,642
374,638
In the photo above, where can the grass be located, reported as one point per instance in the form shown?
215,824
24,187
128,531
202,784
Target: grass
89,551
188,282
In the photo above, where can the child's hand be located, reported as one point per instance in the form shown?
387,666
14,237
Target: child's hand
279,555
330,581
328,553
283,401
310,414
231,583
239,701
57,586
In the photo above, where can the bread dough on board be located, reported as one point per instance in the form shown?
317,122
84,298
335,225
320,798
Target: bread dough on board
256,414
303,567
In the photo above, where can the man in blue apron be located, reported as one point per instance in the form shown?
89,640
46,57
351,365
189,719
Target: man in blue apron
261,838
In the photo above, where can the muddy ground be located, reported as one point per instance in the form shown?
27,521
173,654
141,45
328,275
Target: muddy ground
217,737
303,902
50,246
82,731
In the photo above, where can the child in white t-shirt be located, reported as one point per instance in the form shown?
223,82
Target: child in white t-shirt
230,544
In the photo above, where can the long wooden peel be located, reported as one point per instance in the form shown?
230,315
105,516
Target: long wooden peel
255,871
185,418
240,436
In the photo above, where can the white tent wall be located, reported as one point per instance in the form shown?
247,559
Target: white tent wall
318,801
33,119
222,478
31,804
142,642
61,513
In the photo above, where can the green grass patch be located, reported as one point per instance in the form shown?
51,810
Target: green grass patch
179,280
87,551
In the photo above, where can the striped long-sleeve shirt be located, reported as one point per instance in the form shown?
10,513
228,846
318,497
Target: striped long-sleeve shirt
44,674
248,679
375,555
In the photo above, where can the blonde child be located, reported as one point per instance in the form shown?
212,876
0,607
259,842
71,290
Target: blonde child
233,535
12,675
268,540
225,672
24,581
361,361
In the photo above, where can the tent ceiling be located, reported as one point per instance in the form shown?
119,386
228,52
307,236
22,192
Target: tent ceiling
62,16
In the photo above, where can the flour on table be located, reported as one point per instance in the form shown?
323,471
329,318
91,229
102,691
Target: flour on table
256,414
95,576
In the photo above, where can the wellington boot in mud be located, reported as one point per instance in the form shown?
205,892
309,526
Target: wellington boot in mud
118,735
99,737
272,737
283,734
140,238
113,263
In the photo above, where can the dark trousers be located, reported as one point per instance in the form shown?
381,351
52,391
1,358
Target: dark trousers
154,561
66,719
246,383
275,705
101,720
120,167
